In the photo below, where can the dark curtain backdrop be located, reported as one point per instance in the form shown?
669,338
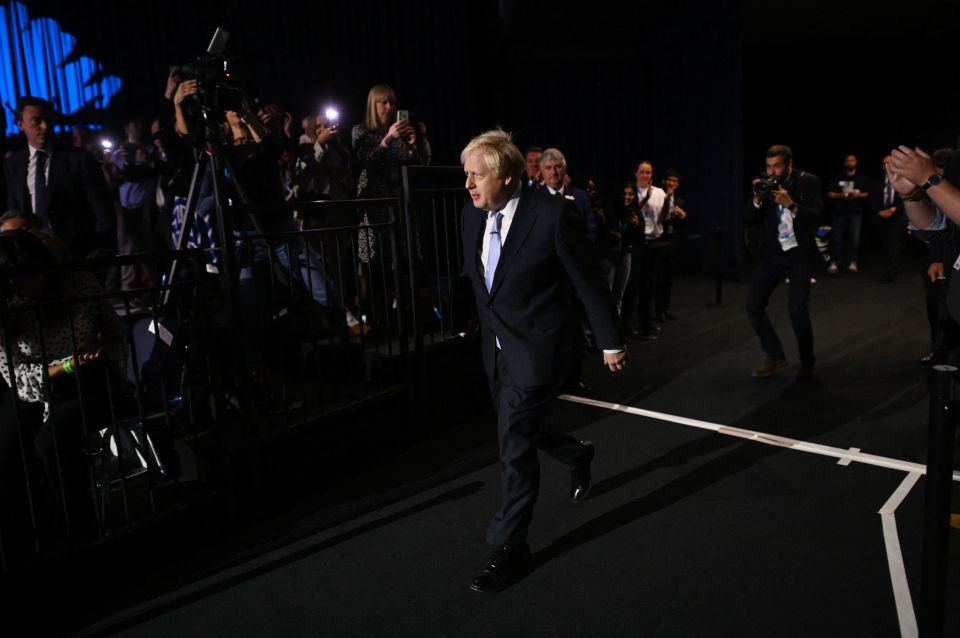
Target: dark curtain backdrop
608,86
701,87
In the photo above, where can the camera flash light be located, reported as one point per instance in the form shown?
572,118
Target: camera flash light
332,114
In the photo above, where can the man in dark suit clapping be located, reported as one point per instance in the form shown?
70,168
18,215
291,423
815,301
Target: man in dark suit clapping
65,189
527,256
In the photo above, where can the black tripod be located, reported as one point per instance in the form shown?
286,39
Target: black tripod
211,153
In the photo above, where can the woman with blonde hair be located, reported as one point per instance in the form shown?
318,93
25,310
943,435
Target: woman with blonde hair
386,141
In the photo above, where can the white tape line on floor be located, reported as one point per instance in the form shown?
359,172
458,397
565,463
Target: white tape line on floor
898,577
898,574
761,437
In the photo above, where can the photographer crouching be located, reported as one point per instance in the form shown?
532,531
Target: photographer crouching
782,220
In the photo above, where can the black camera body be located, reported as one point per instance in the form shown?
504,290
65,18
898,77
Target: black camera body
218,88
765,186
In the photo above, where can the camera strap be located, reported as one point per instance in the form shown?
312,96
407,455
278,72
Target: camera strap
799,182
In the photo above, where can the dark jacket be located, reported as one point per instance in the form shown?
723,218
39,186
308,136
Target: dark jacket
545,261
582,201
78,202
763,222
875,201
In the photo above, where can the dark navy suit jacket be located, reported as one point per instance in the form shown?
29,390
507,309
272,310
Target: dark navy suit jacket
582,200
78,203
546,260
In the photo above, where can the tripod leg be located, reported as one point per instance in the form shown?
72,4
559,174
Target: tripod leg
193,198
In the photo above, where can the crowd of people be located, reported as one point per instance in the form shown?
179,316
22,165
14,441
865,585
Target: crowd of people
153,191
154,188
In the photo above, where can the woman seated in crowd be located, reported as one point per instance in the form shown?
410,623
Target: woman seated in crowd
64,355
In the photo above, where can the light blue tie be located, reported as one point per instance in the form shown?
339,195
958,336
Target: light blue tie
493,252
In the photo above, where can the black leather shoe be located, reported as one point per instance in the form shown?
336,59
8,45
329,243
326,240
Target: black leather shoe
580,479
506,566
576,387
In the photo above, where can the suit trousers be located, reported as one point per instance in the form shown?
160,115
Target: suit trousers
890,232
846,238
637,303
521,430
766,276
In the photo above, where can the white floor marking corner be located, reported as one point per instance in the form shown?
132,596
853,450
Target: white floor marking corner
898,575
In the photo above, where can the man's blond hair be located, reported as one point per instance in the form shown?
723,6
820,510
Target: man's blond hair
500,155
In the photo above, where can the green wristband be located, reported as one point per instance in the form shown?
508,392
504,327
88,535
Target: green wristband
68,367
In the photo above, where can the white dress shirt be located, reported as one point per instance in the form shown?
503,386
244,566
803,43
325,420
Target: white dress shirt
32,175
652,224
509,210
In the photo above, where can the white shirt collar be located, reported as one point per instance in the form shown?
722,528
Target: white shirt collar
33,151
509,208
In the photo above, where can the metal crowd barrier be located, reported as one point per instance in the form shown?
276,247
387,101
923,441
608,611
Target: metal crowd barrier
116,441
321,309
331,307
433,198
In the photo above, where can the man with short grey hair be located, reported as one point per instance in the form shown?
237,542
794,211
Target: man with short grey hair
553,168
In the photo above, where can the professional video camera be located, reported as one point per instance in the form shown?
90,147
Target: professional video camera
765,185
218,88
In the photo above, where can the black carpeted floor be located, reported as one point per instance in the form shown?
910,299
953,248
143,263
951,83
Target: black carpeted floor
686,533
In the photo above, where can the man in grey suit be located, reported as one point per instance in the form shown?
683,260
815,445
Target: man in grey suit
527,257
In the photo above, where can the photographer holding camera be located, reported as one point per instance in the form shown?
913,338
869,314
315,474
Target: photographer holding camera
782,220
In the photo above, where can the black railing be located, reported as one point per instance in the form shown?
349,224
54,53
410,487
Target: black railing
944,404
102,447
331,308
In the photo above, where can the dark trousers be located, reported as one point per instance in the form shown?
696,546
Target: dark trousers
846,237
933,299
766,276
654,259
639,298
663,286
890,232
521,429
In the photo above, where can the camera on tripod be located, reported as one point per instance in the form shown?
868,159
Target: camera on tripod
765,186
217,85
